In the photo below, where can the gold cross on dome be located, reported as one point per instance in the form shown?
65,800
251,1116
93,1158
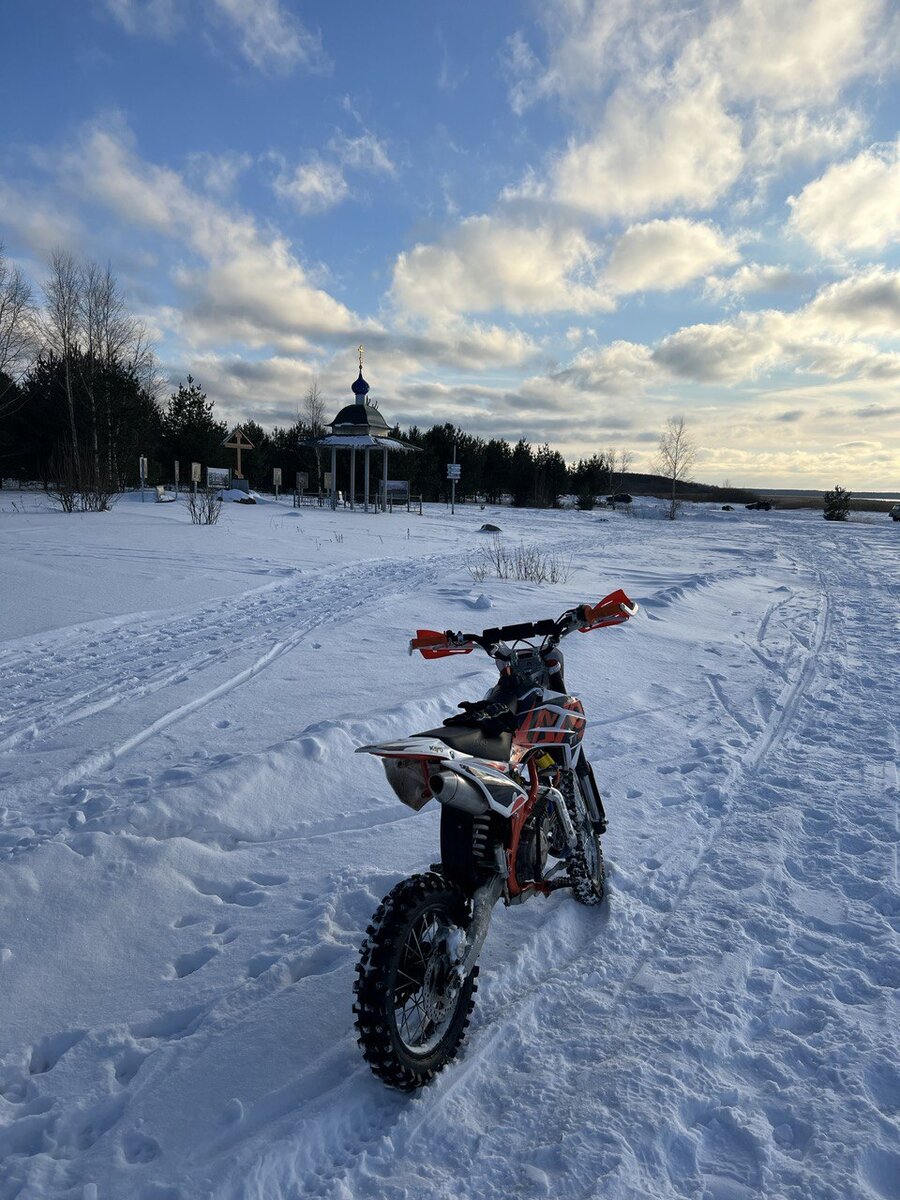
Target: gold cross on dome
360,352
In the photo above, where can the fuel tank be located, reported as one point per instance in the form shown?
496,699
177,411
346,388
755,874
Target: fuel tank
549,719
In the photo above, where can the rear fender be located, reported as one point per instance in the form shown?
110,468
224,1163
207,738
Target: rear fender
410,763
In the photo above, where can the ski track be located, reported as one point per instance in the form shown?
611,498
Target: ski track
622,951
387,1141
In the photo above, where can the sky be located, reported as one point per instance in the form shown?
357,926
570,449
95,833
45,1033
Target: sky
567,220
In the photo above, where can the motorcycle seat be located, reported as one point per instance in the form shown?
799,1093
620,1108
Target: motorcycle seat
469,739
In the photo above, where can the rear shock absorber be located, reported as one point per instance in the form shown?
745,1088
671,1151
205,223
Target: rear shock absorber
481,830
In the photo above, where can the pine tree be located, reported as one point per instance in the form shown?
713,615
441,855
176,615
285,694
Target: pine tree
190,431
836,504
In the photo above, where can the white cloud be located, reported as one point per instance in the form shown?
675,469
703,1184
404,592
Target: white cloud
270,37
218,173
40,223
365,152
652,150
664,255
156,18
787,53
590,41
523,71
820,338
867,304
472,345
268,34
755,277
320,184
248,284
632,72
620,370
312,187
854,206
719,353
487,263
779,138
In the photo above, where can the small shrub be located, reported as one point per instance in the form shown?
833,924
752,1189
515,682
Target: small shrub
98,490
836,504
524,564
586,501
63,472
204,507
79,488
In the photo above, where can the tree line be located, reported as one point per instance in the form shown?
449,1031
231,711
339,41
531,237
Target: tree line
81,399
78,378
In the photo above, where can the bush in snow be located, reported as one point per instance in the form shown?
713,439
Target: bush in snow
204,507
79,486
836,504
63,490
524,564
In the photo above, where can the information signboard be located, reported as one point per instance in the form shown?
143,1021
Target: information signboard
218,477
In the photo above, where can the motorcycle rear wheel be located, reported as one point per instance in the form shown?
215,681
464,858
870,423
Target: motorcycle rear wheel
411,1009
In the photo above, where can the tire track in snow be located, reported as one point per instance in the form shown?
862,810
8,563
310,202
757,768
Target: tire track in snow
555,979
478,1057
327,602
239,617
137,637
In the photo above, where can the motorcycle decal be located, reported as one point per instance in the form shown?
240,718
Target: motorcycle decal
552,724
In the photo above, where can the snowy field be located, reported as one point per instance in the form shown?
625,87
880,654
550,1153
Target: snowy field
190,852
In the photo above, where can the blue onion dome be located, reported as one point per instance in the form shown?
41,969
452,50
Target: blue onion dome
360,387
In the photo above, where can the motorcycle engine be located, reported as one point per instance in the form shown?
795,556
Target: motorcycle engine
535,843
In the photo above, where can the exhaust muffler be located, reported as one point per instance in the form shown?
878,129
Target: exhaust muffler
450,788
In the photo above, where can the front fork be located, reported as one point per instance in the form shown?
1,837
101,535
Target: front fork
591,793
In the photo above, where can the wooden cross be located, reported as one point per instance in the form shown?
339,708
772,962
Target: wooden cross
238,441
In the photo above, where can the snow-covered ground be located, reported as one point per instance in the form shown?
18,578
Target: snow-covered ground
190,852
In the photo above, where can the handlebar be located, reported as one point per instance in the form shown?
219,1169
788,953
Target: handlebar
611,610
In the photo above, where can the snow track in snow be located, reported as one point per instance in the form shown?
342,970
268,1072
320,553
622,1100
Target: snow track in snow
199,867
535,992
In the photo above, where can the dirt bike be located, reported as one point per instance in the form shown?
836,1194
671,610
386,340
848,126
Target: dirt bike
521,816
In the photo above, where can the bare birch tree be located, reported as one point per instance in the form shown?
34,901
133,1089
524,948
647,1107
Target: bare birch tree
675,457
18,334
314,420
112,337
617,467
62,320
